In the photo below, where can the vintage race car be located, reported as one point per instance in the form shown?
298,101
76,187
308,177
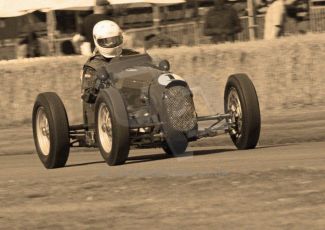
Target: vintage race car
135,101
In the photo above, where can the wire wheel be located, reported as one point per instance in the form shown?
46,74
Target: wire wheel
105,127
241,103
235,109
43,131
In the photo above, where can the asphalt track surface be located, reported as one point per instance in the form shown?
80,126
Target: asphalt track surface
271,187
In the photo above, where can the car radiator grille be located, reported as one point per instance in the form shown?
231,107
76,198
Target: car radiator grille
180,108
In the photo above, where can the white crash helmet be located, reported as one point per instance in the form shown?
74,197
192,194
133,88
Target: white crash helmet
108,38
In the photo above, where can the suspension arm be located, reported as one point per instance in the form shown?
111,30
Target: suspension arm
214,117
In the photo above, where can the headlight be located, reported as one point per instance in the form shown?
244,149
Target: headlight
177,77
166,78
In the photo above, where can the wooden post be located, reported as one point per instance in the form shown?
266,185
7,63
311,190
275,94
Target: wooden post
51,27
78,21
119,14
185,33
164,15
184,10
196,23
196,9
251,19
156,16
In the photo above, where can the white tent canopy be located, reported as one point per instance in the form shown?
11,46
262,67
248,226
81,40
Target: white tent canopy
14,8
115,2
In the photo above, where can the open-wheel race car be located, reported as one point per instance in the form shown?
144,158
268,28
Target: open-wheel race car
133,101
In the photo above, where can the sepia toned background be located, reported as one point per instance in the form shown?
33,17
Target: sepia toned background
278,185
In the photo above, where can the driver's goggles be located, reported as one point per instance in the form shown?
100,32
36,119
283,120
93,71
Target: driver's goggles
110,42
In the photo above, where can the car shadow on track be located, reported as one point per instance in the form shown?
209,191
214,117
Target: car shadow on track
275,145
163,156
201,152
86,163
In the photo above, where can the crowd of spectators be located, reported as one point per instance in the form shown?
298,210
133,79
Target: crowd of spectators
221,24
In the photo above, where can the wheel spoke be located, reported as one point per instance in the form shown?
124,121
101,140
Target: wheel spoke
234,108
104,127
43,132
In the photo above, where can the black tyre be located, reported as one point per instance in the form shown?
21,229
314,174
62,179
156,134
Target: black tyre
167,149
51,130
112,126
174,152
240,100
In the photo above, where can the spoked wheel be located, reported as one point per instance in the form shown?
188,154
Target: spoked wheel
234,108
112,126
105,127
51,130
43,131
242,103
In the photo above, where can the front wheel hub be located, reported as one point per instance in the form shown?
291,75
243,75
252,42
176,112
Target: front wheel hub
105,127
43,131
234,107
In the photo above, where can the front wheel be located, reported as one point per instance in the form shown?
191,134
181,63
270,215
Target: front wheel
240,100
167,149
112,126
51,130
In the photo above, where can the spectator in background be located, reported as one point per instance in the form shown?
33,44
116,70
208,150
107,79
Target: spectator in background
101,10
222,23
29,46
67,48
159,39
275,18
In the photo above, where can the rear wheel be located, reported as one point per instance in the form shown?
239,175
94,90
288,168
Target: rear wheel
51,130
242,103
112,127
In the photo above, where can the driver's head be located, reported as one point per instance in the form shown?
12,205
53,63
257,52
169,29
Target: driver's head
108,38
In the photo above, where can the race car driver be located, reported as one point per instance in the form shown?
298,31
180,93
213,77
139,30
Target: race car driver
108,39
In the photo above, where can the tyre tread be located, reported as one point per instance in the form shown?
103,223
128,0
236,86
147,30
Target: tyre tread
250,108
59,128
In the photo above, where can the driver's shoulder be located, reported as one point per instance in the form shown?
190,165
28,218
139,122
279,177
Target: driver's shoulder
95,61
126,52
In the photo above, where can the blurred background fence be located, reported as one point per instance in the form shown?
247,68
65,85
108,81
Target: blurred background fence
317,19
183,23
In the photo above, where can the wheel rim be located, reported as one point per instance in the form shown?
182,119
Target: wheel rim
105,128
43,131
235,109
